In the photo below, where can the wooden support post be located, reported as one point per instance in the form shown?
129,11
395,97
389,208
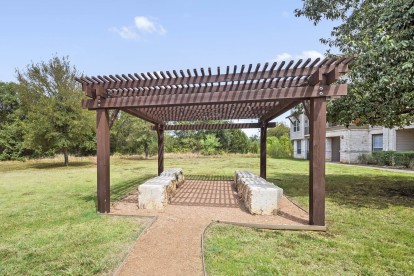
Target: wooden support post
160,132
263,135
317,146
102,156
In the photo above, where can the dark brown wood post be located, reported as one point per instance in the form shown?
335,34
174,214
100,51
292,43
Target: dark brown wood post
263,135
160,132
317,146
102,156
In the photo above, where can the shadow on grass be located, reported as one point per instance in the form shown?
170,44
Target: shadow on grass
61,165
120,189
23,165
355,191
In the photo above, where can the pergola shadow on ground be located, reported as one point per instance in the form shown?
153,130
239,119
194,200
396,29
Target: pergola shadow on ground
249,92
207,193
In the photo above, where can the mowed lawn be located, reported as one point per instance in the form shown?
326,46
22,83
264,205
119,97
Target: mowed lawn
370,219
49,225
48,219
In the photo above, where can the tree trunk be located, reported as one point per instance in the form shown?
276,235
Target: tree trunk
146,150
66,155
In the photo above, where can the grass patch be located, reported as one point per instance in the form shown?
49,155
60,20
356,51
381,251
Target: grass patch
369,216
49,224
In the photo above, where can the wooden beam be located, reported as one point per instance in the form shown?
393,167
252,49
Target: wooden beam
278,110
113,117
213,126
317,147
160,133
263,138
102,156
277,226
315,78
331,76
306,108
263,95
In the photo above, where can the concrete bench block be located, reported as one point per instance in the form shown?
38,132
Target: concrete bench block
263,199
260,196
177,172
156,192
238,175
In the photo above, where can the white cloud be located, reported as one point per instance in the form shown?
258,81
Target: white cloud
146,25
283,56
143,26
310,54
125,32
304,55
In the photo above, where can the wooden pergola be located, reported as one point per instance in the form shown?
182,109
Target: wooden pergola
260,92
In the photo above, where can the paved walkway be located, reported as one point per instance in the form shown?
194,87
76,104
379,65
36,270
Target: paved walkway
172,244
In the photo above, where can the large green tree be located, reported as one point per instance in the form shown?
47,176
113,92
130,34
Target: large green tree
380,34
130,135
11,123
51,101
279,130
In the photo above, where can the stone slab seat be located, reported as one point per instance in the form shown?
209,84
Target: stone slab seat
156,192
260,196
238,175
177,172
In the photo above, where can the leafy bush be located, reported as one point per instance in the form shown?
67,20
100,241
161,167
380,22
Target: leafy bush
279,148
210,145
389,158
366,159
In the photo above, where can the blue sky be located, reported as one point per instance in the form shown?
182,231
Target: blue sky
107,37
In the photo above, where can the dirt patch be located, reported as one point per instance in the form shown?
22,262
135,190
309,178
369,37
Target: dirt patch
172,245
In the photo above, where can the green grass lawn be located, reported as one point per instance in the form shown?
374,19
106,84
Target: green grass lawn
49,225
370,220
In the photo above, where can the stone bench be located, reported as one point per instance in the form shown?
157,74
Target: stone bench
238,175
156,192
177,173
260,196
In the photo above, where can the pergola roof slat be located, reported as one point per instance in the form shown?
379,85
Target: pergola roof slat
249,91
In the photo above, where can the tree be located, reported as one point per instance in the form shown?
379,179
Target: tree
279,148
254,145
380,33
279,130
51,101
11,130
210,144
130,135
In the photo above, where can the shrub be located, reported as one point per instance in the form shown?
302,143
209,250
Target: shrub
366,159
390,158
279,148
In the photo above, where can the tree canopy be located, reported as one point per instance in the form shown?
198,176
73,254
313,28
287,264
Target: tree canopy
50,100
380,34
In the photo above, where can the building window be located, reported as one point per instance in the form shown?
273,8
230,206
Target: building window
377,142
298,147
296,125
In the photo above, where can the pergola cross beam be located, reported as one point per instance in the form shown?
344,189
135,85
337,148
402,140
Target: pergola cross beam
204,126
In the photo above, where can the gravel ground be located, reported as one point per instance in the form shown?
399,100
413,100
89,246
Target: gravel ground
172,244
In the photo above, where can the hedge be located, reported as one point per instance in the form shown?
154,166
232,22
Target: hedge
389,158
